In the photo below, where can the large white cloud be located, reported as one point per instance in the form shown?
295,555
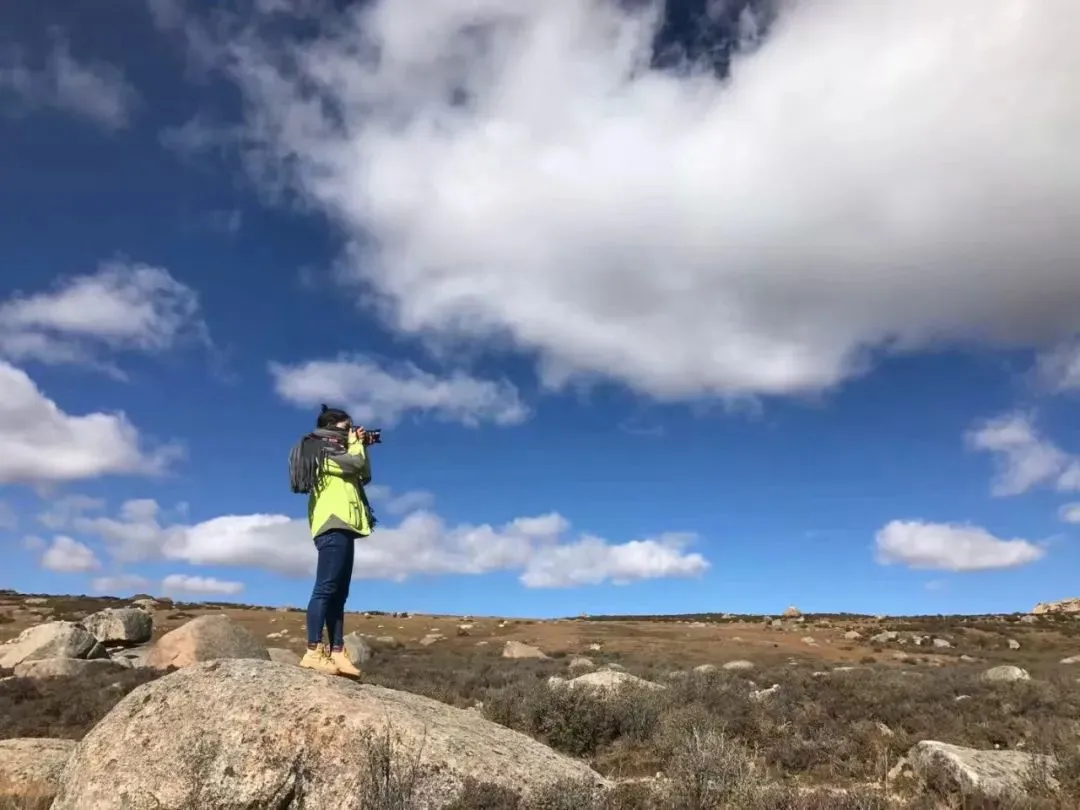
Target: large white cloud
877,176
93,90
67,555
951,547
541,548
374,393
1024,457
40,443
1070,513
120,307
202,586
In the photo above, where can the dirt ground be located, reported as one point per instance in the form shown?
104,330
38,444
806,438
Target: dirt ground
848,696
1040,641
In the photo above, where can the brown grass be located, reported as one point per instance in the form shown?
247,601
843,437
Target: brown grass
826,740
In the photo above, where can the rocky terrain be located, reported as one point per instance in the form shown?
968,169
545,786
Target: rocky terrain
146,703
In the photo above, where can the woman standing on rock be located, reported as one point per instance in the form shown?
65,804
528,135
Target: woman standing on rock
331,466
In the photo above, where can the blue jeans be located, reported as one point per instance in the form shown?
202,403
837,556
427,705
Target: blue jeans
332,576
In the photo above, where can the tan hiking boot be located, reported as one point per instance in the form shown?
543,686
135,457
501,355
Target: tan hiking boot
320,661
344,665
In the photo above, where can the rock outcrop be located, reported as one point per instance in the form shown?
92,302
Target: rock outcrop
51,640
120,625
207,638
1069,605
246,733
30,768
65,667
515,649
991,773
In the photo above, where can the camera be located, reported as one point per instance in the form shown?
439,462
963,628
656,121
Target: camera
372,437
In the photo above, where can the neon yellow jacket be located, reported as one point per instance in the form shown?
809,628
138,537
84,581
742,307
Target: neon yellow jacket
338,500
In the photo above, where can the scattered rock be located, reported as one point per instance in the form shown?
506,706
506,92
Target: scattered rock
63,667
991,773
358,650
579,663
271,735
120,625
1006,672
1013,644
1072,659
809,640
762,694
431,638
792,612
1069,605
738,665
852,635
609,680
705,669
30,768
282,656
132,656
206,638
515,649
942,643
884,637
51,640
35,600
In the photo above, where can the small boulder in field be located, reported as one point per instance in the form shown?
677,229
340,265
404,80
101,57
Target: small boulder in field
206,638
792,612
358,649
120,625
580,663
242,733
51,640
30,768
738,665
515,649
1006,673
65,667
990,773
608,680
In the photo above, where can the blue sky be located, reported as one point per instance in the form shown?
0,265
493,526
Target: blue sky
640,340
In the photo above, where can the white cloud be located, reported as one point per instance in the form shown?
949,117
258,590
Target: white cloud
385,499
1023,457
67,555
951,547
875,177
40,443
118,584
9,519
592,560
93,90
183,583
1070,513
120,307
375,394
1059,368
422,543
62,510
